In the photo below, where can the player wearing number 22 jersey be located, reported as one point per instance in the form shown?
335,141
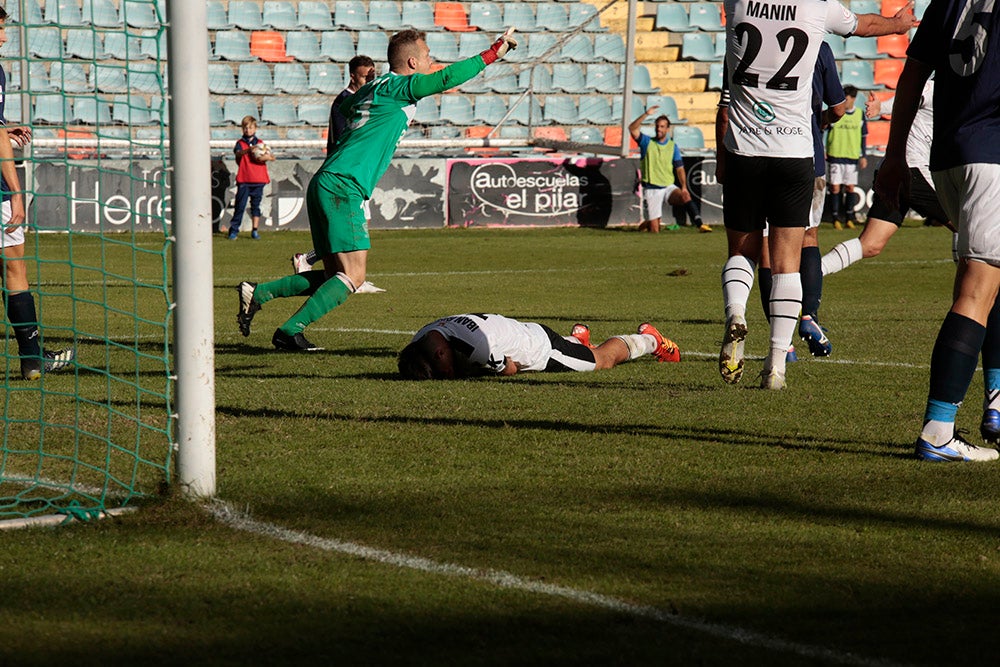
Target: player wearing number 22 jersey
765,160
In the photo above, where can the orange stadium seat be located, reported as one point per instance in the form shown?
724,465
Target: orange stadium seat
878,133
452,16
890,7
613,137
479,132
269,46
893,45
887,72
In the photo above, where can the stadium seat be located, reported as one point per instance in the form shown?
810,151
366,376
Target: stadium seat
441,132
221,79
69,78
351,14
471,43
337,46
12,47
245,14
302,134
255,78
560,109
419,15
489,109
130,110
641,81
217,17
866,6
238,107
315,15
385,14
920,7
91,111
500,78
537,78
155,46
699,46
122,46
569,78
861,47
38,78
544,47
521,15
525,110
586,135
613,137
373,43
837,46
159,111
451,16
513,132
84,43
878,134
476,84
594,109
603,78
858,73
108,78
893,45
100,13
233,45
280,112
326,78
314,113
45,43
715,76
579,48
269,46
53,109
706,16
139,14
616,109
890,7
672,18
279,15
63,12
291,78
303,46
667,106
486,16
551,16
32,12
688,137
553,133
887,72
146,78
609,47
586,15
427,112
443,46
456,109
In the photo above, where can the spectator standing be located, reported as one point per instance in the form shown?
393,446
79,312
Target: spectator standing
251,177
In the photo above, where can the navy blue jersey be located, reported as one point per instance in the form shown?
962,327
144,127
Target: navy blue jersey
4,188
826,90
337,121
958,40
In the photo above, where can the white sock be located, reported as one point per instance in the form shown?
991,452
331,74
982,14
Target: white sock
785,304
842,256
938,433
991,400
737,280
638,344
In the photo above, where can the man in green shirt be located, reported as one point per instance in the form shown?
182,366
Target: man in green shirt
377,117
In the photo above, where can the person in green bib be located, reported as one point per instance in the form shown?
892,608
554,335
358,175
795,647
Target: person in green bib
377,117
663,177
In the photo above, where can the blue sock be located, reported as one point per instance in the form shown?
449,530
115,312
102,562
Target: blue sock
991,351
953,363
21,314
764,285
811,269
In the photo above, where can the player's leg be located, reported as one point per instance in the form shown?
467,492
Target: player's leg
836,203
989,427
256,195
239,206
683,198
653,199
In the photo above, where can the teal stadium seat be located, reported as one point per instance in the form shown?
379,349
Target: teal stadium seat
526,110
155,46
569,78
326,78
544,47
472,43
866,6
32,12
594,109
489,109
122,46
699,46
153,136
373,43
131,110
139,14
551,16
146,78
642,82
63,12
245,14
456,109
351,14
586,135
45,43
610,48
585,14
255,78
108,78
672,18
69,78
291,78
860,74
238,107
278,111
836,43
920,7
91,111
560,110
638,107
513,132
233,45
100,13
385,14
476,84
865,48
221,80
443,132
280,15
537,78
500,78
667,106
217,17
688,138
706,16
12,47
12,111
38,77
303,46
216,116
315,15
604,78
521,15
84,43
715,76
419,15
579,48
487,16
443,46
427,112
54,109
337,46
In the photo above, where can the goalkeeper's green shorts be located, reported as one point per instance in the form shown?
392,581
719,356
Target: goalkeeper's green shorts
336,216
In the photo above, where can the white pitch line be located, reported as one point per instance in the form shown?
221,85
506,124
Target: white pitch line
240,521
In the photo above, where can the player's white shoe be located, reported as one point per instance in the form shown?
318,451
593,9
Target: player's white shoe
299,263
772,380
956,449
367,288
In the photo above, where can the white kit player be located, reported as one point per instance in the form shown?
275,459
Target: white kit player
489,344
765,159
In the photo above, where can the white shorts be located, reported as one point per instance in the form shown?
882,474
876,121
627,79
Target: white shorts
16,237
970,195
819,200
843,174
654,199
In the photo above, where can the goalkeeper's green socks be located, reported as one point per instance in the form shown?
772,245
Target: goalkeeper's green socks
299,284
325,298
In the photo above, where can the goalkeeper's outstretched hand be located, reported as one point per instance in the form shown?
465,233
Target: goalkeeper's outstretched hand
499,48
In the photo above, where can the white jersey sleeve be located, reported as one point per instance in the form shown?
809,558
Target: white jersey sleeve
771,51
486,340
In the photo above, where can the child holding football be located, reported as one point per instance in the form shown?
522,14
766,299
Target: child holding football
252,157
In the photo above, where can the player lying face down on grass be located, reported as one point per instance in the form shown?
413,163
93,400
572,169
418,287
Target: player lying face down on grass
470,345
377,117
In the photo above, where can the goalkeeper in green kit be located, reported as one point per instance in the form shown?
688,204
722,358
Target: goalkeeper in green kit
377,116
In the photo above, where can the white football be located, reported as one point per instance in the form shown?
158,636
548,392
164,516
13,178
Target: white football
260,151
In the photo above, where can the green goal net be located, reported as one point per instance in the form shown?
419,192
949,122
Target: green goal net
89,79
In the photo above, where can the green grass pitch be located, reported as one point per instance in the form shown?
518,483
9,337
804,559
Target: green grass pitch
734,526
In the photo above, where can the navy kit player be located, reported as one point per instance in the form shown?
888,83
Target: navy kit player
959,44
765,159
469,345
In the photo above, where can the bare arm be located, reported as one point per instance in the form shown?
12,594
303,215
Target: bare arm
636,125
682,181
832,114
721,126
874,25
510,367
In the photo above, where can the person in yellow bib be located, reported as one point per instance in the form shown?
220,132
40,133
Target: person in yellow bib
845,156
663,177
